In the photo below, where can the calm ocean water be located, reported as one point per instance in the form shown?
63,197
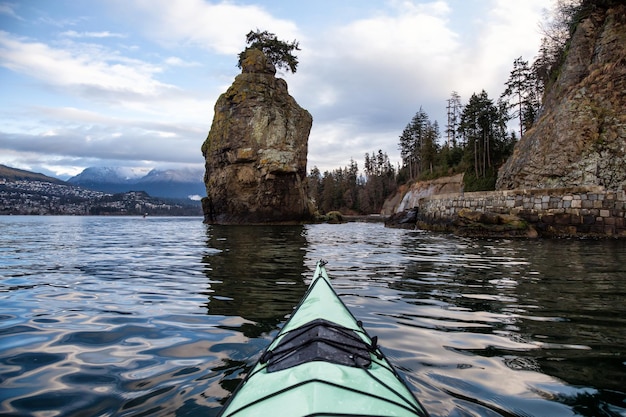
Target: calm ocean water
120,316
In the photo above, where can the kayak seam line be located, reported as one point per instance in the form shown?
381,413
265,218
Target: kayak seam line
410,403
326,414
414,410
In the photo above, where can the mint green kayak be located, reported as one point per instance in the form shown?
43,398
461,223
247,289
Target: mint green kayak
322,363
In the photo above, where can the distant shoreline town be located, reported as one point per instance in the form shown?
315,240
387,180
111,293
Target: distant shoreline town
40,196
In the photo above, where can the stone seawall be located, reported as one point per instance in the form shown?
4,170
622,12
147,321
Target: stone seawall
566,212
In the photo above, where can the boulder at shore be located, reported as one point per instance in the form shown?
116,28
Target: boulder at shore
256,151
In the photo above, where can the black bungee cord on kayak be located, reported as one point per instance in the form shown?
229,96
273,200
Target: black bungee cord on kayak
320,340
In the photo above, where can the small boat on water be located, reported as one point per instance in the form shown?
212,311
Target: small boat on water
322,363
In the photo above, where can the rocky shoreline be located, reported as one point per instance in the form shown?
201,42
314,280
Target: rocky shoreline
582,212
567,174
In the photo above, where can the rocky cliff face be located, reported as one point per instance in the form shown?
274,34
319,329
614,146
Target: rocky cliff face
580,138
256,150
408,196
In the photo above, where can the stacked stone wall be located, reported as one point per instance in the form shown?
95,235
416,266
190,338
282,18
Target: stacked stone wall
580,211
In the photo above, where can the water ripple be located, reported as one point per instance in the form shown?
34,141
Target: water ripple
165,316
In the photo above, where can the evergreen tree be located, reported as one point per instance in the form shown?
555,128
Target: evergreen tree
483,124
279,53
329,200
558,26
418,144
314,180
350,188
430,147
521,94
379,183
454,109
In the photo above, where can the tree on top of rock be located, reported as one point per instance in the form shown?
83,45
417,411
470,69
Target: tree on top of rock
279,53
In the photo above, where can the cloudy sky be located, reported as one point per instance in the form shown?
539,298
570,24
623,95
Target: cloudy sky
133,82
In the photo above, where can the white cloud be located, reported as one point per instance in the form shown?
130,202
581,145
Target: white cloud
510,30
9,10
174,61
408,42
216,27
371,67
104,34
332,145
99,142
121,84
87,68
364,81
371,75
89,135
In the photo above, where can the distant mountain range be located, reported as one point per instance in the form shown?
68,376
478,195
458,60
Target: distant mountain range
168,183
164,183
25,192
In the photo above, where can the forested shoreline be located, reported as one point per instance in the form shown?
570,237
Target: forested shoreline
477,137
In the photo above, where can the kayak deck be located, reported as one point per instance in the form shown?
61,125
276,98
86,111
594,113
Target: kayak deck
322,363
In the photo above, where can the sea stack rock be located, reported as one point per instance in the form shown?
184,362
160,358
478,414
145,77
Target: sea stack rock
256,151
580,138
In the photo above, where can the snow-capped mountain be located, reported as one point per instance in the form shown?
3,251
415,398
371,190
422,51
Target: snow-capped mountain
110,175
190,175
169,183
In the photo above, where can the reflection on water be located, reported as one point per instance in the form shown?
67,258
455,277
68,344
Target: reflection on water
536,308
256,272
164,316
575,313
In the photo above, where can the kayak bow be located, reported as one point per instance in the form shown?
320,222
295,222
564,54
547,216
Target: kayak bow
322,363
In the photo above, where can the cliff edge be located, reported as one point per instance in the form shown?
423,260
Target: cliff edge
580,138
